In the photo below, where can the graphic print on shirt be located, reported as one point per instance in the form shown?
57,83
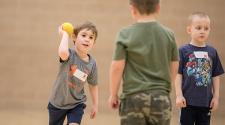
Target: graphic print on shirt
199,66
72,75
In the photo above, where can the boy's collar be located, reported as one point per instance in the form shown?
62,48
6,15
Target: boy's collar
198,45
146,18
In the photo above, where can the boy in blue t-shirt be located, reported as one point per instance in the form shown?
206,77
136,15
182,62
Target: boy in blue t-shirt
198,79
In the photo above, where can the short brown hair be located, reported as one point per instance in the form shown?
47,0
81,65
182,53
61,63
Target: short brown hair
145,6
87,25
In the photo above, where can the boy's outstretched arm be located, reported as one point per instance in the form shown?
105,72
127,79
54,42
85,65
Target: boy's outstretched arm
116,72
216,88
63,49
94,96
180,100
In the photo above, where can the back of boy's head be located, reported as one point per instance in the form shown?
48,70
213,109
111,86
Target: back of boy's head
87,25
196,14
145,6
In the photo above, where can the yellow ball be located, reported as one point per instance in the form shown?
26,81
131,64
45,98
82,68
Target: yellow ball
68,27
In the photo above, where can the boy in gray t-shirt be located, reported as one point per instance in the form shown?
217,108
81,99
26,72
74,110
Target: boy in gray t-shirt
76,68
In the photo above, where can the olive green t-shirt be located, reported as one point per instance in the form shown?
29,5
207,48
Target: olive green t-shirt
148,49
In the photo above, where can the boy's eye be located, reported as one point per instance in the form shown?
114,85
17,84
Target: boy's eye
198,28
91,37
84,35
206,28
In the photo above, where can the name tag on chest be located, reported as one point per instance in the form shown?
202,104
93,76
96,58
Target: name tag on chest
201,54
80,75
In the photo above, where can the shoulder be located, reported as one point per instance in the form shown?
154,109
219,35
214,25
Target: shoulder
124,31
124,34
92,60
165,32
72,51
166,29
212,51
71,54
184,46
211,48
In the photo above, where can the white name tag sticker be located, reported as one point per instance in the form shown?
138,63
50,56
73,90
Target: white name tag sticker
80,75
201,54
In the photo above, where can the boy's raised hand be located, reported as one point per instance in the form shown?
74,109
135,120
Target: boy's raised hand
61,31
181,101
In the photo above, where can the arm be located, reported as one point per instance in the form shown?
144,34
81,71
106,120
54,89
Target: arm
180,100
63,50
116,72
94,95
173,70
177,80
215,100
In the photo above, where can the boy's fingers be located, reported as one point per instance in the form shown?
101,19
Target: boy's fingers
115,105
179,103
184,103
212,106
92,115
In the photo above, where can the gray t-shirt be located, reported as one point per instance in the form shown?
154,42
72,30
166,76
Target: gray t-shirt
68,89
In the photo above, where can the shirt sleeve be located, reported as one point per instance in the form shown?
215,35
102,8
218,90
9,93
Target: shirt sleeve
181,62
119,52
217,68
70,54
93,76
174,52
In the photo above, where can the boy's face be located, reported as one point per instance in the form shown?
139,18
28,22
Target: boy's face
85,40
199,29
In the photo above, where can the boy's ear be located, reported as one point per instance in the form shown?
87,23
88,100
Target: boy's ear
73,37
188,29
133,11
157,8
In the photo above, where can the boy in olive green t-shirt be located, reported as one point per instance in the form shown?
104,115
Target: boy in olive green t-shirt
146,59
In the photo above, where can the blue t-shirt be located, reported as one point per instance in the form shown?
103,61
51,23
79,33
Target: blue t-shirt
198,65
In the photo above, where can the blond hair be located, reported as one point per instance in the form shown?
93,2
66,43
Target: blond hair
197,14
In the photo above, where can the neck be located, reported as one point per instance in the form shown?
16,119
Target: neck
146,18
82,55
198,44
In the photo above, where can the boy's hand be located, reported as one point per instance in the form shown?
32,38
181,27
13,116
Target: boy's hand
113,102
94,112
214,103
181,101
61,31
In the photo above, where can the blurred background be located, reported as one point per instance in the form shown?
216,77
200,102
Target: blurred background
29,42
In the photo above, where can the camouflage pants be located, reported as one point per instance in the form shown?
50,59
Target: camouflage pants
146,108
